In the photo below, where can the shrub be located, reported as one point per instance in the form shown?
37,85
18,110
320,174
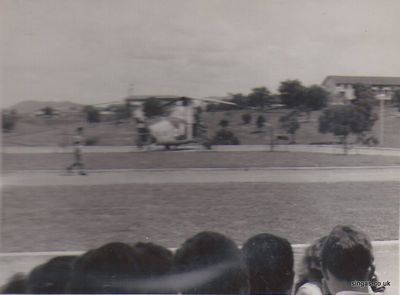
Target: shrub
48,111
246,118
92,140
223,123
290,123
8,121
92,114
225,137
260,121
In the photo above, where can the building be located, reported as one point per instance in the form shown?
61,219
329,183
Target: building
341,88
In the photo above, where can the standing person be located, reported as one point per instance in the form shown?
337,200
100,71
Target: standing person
78,161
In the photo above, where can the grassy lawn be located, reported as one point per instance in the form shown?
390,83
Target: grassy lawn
162,159
78,218
57,131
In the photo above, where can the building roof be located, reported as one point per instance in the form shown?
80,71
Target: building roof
384,81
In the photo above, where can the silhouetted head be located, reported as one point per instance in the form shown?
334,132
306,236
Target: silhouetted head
108,269
210,263
155,264
15,285
51,277
310,268
154,260
270,262
347,256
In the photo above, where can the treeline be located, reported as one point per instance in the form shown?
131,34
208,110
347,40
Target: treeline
356,116
292,94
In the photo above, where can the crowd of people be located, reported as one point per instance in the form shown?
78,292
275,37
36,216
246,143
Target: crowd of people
211,263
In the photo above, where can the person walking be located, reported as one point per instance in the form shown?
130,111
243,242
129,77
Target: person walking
78,159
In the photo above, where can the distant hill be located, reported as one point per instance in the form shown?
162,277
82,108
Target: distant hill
31,106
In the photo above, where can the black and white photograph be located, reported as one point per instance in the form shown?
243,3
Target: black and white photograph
200,147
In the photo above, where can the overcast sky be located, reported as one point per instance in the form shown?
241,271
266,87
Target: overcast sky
90,51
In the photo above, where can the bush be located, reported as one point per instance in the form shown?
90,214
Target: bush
92,114
8,121
92,140
370,141
122,112
48,111
223,123
260,121
225,137
290,123
246,118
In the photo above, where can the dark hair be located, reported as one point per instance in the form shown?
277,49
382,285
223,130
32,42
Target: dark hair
155,263
347,254
311,269
210,263
107,269
155,260
15,285
270,262
51,277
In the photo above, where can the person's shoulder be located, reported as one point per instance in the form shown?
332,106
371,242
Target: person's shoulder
353,293
309,289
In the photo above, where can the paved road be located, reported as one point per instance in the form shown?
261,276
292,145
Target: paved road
206,175
327,149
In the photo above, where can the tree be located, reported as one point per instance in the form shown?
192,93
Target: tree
396,99
123,111
152,107
225,137
365,101
292,93
8,121
48,111
290,124
364,97
259,97
92,114
315,98
223,123
246,118
260,122
343,120
240,99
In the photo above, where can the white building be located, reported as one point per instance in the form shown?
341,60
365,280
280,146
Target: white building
341,88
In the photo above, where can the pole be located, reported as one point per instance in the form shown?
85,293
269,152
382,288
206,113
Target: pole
271,138
131,89
382,121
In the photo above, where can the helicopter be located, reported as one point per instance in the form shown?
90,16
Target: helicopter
180,123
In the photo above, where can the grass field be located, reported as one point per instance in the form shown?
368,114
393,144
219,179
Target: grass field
308,132
78,218
207,159
33,131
